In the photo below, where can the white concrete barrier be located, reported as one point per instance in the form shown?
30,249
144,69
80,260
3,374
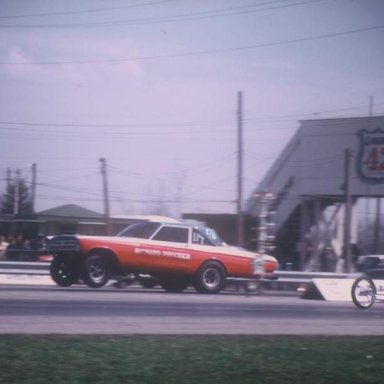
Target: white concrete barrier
20,279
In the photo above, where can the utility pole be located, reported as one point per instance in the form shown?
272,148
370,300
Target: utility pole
16,198
33,187
348,211
105,196
377,228
240,214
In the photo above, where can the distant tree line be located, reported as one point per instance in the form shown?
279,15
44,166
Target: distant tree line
17,199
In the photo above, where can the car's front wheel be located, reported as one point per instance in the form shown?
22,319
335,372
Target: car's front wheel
64,272
210,278
96,270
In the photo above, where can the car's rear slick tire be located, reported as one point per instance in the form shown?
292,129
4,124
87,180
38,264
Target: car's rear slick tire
63,271
96,270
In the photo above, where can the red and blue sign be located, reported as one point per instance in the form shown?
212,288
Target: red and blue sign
371,155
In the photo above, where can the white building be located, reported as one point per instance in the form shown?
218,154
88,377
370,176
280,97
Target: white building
307,191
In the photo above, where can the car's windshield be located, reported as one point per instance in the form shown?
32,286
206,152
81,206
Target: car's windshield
210,234
140,230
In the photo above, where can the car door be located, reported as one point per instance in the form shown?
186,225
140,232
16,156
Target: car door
172,242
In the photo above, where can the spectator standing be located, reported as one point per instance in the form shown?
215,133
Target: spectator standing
14,248
3,247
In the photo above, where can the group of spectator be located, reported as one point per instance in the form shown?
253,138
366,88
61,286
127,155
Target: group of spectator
19,248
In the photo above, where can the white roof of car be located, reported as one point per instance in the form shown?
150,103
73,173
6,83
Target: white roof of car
155,218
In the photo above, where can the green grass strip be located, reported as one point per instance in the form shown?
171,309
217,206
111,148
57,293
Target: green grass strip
43,359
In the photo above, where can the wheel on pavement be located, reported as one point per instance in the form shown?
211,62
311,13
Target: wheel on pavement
64,271
363,292
210,278
96,270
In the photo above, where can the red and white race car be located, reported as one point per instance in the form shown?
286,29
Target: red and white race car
176,254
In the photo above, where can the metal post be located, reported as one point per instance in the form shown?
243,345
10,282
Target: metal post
303,229
377,225
33,191
240,213
348,212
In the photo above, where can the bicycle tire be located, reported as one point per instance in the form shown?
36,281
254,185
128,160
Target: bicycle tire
363,292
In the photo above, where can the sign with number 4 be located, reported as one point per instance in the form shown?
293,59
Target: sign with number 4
371,155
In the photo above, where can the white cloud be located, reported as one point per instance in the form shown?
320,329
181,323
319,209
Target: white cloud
54,57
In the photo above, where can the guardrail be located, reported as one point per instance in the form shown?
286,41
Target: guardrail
293,277
24,268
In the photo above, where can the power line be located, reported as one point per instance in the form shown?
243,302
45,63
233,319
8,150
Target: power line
255,8
160,136
70,188
301,116
95,191
117,195
73,177
199,53
190,171
124,125
82,11
192,124
141,201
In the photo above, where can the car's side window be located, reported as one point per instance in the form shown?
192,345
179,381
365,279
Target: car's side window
178,235
199,238
140,230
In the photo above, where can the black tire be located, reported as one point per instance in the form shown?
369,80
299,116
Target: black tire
64,272
96,270
210,278
363,292
174,284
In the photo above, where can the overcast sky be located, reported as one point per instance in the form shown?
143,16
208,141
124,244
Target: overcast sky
151,86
